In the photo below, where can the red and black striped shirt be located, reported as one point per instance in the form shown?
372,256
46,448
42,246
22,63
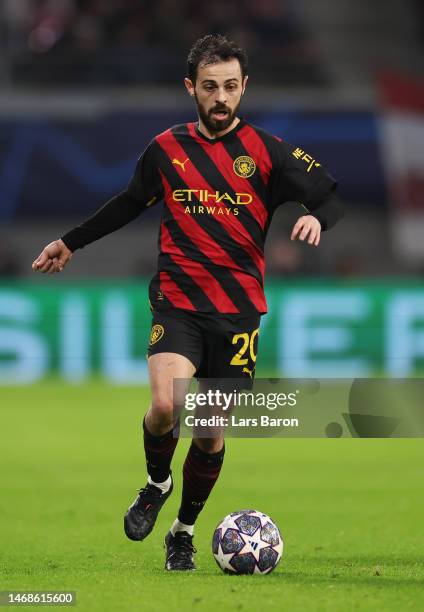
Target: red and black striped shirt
219,197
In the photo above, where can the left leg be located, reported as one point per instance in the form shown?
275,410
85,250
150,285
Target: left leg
231,354
200,473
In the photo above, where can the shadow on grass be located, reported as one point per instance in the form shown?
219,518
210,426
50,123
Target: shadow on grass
373,571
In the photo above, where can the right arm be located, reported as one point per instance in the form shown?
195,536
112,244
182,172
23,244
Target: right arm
117,212
144,189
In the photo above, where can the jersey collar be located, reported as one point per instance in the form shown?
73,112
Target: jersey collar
226,136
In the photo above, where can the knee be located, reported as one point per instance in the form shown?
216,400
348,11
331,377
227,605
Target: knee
162,412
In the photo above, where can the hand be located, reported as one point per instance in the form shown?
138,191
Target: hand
53,258
307,227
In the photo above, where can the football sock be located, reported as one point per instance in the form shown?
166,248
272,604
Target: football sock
163,486
179,526
200,473
159,451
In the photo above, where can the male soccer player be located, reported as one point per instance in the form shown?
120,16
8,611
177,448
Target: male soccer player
221,180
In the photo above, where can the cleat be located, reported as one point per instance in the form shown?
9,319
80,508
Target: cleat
179,552
142,514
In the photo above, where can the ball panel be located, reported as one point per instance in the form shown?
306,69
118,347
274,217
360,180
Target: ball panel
232,542
248,523
268,558
270,534
244,563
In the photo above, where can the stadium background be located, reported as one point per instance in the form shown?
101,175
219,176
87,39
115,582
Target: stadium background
85,84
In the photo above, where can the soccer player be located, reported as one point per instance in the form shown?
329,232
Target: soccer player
220,179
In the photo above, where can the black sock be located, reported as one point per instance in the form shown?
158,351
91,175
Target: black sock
159,451
200,473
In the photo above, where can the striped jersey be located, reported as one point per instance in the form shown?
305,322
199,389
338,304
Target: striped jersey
219,197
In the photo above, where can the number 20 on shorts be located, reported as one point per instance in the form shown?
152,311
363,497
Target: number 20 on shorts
246,342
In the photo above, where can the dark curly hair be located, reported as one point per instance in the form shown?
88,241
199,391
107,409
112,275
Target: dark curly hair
211,49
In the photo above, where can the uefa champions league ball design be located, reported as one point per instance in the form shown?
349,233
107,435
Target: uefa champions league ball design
247,542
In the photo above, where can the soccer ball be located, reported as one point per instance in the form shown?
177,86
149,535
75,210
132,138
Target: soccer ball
247,542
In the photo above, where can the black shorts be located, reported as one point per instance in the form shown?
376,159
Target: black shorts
222,346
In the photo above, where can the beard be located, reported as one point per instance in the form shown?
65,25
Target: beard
213,124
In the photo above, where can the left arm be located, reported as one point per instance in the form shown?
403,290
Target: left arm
297,177
321,217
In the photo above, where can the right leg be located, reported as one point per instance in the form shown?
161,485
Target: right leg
160,438
159,441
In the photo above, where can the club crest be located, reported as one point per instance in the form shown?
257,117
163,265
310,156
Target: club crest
156,334
244,166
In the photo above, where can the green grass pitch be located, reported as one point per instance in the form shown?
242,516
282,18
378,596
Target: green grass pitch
350,511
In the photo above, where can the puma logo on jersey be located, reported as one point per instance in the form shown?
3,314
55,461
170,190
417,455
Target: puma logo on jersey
250,372
178,163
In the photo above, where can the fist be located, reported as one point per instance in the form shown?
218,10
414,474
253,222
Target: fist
53,258
307,227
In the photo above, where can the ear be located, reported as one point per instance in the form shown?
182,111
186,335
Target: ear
189,86
243,89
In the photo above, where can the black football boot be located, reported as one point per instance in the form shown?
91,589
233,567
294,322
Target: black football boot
142,514
179,551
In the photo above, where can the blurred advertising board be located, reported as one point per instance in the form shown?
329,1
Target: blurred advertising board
313,328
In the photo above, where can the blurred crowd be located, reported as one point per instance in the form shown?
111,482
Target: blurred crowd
139,41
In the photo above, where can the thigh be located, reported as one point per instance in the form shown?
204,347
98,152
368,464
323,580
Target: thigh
164,368
174,352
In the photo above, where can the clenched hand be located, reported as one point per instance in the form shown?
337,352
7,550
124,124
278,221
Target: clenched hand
53,258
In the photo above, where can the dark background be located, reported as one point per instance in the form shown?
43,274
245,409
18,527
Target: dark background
85,84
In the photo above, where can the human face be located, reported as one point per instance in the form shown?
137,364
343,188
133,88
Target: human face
217,92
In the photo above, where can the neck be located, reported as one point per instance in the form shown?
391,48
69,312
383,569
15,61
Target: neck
212,135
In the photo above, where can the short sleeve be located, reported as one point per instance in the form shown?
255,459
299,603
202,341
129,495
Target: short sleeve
297,176
145,185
